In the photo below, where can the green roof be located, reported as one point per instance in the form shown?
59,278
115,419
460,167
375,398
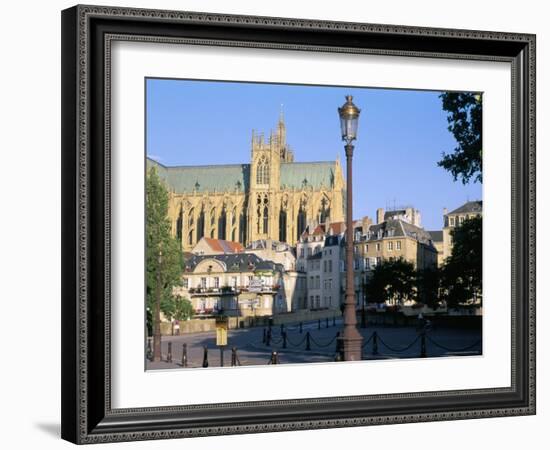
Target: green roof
218,178
231,177
315,174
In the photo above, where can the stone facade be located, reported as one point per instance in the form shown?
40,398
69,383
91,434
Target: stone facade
272,197
455,218
240,285
318,255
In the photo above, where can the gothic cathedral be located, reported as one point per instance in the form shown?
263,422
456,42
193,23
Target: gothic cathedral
273,197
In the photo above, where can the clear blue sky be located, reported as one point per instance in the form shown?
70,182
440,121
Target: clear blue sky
402,134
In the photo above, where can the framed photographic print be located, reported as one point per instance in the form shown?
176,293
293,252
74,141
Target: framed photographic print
285,216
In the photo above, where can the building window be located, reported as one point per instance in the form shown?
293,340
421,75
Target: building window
367,263
378,260
282,226
234,281
262,171
452,221
377,247
265,220
203,282
302,252
216,282
318,301
330,265
461,220
185,283
324,266
318,282
390,246
398,245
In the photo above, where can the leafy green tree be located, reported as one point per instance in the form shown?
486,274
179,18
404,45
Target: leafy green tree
428,283
462,272
464,117
179,309
163,254
392,280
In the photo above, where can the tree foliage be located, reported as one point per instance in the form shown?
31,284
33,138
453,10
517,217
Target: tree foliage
462,272
164,257
179,309
392,280
464,117
428,284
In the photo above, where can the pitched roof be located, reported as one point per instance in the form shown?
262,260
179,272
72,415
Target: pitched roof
473,206
437,235
314,174
244,262
220,245
236,177
224,177
337,227
400,228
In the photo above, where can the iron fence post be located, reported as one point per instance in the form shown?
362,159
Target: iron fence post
205,357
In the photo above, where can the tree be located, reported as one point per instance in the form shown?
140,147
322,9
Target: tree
462,272
392,280
179,309
464,118
428,283
163,254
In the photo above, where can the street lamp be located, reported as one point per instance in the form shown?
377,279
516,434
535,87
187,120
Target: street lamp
351,338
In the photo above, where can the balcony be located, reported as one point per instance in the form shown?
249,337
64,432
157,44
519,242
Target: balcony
225,290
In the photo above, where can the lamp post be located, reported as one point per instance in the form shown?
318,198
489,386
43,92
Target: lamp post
351,338
363,299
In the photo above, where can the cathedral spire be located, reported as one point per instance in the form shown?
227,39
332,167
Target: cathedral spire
281,133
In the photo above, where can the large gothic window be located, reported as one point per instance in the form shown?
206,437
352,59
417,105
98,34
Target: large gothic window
266,220
179,225
324,210
282,226
222,221
242,228
301,222
262,171
200,225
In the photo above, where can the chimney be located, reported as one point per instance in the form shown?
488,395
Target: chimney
379,215
366,223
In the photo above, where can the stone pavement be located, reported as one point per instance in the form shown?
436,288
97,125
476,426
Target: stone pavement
392,342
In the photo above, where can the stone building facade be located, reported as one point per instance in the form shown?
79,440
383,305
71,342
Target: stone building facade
241,285
271,197
455,218
318,255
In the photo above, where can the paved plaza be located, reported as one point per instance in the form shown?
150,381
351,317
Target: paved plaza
380,342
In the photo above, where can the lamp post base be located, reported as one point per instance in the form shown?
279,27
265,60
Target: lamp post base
350,344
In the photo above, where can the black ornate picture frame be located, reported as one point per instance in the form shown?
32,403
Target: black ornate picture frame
87,414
